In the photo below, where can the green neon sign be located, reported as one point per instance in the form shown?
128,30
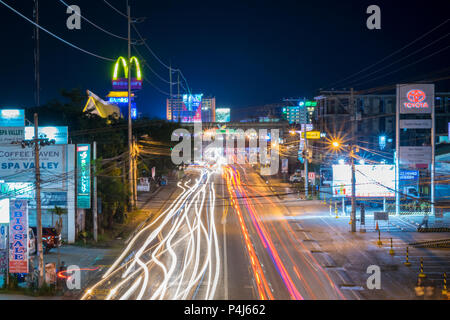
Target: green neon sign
123,62
83,176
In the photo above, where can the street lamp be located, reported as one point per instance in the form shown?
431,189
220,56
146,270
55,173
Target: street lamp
352,149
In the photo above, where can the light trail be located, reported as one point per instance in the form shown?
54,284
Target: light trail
266,238
186,249
305,254
261,282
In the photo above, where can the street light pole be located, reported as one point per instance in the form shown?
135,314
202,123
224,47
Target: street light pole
130,130
353,214
306,166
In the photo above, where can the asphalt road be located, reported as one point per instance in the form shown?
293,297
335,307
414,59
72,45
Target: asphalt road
223,235
289,269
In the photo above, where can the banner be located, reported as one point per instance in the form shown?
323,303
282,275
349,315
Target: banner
11,134
17,165
84,176
18,237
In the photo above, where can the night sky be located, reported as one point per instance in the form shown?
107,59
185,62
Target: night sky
245,53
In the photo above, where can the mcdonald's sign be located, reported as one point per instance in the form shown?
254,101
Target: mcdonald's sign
121,83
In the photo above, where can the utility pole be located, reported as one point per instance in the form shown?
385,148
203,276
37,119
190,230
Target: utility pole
306,166
397,152
135,169
433,151
94,204
352,157
36,54
38,202
353,214
130,130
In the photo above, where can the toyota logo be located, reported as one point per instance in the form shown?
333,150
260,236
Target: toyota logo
415,96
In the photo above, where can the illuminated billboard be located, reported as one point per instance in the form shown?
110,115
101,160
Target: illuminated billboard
84,176
12,118
370,180
59,134
223,115
192,108
415,98
122,83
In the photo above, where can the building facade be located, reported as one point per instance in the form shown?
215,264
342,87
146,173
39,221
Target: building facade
191,108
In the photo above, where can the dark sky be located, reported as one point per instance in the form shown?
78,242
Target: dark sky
245,53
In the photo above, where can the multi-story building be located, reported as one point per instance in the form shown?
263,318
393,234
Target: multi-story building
191,108
374,115
302,113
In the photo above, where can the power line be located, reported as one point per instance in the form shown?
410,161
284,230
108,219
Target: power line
54,35
390,55
151,69
401,59
408,65
149,49
154,86
160,61
116,10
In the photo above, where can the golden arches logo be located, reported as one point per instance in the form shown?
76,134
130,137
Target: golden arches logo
121,60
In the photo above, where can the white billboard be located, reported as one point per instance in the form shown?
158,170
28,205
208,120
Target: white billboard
370,180
59,134
17,164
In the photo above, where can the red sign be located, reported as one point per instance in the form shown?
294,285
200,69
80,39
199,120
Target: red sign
416,99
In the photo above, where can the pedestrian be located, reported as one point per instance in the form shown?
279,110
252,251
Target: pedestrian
424,221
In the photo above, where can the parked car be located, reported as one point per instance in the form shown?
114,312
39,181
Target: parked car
50,238
296,177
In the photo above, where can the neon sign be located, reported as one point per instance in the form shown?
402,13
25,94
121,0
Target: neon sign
416,99
122,83
84,176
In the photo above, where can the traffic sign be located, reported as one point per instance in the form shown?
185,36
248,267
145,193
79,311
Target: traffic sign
312,135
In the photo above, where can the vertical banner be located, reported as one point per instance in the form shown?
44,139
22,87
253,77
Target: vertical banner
84,176
18,237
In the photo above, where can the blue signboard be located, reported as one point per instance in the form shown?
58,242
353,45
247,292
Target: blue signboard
409,174
12,118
